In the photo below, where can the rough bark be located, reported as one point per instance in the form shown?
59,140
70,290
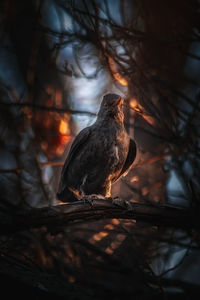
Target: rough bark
55,217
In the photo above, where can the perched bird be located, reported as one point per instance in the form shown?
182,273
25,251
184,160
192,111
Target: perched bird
99,155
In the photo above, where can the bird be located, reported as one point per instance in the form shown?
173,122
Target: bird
99,156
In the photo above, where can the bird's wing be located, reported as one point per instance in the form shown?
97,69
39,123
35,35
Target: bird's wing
129,159
80,139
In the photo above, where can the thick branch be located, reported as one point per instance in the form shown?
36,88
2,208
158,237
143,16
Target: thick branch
58,216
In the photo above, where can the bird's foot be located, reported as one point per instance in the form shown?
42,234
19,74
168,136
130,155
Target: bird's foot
122,203
90,198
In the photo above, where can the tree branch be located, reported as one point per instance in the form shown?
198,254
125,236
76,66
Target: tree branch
48,108
55,217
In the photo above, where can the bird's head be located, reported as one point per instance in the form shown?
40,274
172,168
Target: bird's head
111,107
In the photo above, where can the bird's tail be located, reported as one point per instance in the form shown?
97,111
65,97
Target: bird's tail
66,196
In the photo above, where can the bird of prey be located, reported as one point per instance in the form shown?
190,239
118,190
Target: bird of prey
99,155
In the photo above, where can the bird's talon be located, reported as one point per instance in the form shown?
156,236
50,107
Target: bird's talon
88,200
129,206
122,203
118,202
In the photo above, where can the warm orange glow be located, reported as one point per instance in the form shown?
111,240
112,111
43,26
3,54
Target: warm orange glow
109,250
120,79
115,244
145,191
115,221
139,109
134,104
103,234
64,131
116,74
135,179
99,236
65,139
63,127
60,150
109,226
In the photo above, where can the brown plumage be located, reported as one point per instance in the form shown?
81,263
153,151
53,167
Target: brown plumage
99,155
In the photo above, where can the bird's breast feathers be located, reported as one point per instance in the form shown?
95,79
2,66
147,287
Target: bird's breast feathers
100,154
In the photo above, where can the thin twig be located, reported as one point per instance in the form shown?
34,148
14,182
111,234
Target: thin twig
48,108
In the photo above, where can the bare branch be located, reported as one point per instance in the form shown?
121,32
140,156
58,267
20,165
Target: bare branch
48,108
58,216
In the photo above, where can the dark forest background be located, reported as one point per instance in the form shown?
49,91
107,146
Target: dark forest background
57,60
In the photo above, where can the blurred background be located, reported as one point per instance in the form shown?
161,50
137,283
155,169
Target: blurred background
57,60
